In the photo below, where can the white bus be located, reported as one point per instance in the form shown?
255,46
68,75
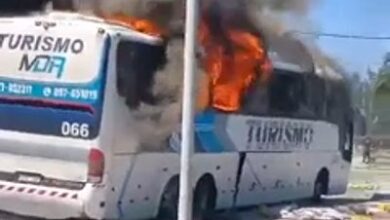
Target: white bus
67,148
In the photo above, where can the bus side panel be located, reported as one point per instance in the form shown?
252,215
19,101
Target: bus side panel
339,176
272,177
119,168
151,173
223,167
312,163
278,177
254,188
147,179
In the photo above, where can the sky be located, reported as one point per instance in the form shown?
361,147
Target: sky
357,17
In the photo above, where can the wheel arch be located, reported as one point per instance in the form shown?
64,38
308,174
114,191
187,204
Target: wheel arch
323,175
208,179
173,181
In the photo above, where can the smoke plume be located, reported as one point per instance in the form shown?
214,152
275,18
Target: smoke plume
159,121
160,12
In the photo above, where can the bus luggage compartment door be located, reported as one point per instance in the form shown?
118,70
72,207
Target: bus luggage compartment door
43,160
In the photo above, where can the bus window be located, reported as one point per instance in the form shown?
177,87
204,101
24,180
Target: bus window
337,102
256,102
316,95
136,65
126,78
288,95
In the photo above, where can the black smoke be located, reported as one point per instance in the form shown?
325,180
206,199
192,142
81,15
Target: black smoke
21,6
16,7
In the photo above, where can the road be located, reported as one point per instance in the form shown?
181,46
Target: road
368,184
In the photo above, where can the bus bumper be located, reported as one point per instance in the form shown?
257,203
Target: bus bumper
42,202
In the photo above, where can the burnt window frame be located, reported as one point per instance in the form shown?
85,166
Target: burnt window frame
316,95
298,99
122,63
254,105
313,100
152,59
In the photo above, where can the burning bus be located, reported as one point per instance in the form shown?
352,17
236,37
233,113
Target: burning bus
72,85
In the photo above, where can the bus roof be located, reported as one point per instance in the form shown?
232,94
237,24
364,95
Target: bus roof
77,19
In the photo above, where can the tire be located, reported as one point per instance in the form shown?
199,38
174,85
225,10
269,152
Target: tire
204,201
169,201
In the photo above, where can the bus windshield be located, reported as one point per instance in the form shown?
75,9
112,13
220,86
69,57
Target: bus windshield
52,77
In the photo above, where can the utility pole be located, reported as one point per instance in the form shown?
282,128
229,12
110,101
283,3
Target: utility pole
187,142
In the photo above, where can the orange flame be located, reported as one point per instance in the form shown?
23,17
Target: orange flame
232,66
141,25
234,59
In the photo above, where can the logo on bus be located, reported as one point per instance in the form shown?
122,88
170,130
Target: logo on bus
278,135
43,64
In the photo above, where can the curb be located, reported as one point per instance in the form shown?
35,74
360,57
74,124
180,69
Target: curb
364,186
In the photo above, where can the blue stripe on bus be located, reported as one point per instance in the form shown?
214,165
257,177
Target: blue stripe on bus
77,94
209,142
205,138
44,121
175,143
205,132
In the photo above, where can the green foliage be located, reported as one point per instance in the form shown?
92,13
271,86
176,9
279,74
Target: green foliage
380,98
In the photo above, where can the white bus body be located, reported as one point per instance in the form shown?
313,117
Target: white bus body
67,148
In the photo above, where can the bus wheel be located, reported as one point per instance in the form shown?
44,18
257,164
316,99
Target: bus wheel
169,201
320,185
204,199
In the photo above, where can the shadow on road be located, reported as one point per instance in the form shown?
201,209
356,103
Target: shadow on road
381,197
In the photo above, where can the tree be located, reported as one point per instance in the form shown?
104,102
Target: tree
376,86
385,68
386,60
371,75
